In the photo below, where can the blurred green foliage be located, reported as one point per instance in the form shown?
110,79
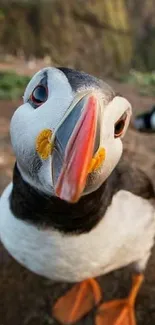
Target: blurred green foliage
12,85
144,81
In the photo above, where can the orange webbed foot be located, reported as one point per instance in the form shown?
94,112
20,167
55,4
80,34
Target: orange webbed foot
77,302
120,312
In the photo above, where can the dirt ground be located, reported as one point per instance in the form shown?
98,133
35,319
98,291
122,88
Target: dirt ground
25,298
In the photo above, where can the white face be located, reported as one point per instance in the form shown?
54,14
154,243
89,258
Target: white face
110,139
30,120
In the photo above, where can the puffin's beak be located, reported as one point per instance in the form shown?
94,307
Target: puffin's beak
75,142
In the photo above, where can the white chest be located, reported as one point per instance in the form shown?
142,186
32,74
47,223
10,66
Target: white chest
124,235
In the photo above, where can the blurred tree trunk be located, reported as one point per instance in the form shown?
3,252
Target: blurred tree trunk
119,37
143,19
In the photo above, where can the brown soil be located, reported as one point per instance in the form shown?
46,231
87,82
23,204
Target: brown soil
26,299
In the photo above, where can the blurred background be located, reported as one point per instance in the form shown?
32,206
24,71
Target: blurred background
112,39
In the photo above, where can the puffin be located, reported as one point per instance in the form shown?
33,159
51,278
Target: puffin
76,209
145,122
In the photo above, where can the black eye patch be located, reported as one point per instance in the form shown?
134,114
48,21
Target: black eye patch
39,94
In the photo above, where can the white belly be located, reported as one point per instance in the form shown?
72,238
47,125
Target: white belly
125,235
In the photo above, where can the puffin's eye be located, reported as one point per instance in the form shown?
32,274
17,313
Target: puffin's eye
119,125
39,95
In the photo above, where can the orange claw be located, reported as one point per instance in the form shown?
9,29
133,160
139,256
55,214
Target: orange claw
77,302
120,312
